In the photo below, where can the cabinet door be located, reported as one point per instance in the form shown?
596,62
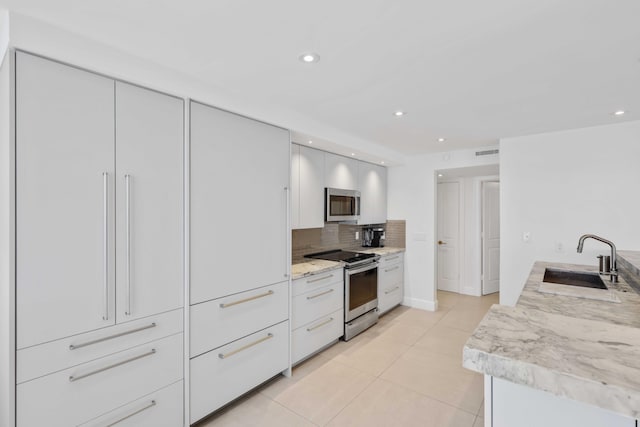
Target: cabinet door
311,188
149,192
64,204
239,230
340,172
373,193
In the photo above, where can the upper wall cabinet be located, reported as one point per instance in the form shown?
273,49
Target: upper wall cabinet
307,187
340,172
373,193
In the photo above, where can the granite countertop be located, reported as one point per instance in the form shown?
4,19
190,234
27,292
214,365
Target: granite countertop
314,266
583,349
387,250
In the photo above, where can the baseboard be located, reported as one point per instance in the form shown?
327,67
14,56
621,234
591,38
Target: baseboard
421,304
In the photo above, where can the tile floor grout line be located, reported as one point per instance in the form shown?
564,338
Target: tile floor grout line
351,401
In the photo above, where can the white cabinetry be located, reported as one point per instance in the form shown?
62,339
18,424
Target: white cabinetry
390,281
239,256
508,404
98,243
307,187
317,313
340,172
372,181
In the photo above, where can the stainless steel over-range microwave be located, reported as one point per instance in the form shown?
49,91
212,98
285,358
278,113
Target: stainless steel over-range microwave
341,205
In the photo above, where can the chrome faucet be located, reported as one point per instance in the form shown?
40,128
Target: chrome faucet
614,261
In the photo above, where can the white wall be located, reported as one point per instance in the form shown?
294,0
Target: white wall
560,185
4,33
411,196
6,242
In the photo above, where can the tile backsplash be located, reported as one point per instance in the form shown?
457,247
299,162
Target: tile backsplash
340,236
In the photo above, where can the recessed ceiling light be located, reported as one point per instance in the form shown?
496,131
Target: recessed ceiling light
310,142
309,57
441,140
619,113
439,175
382,162
399,113
353,154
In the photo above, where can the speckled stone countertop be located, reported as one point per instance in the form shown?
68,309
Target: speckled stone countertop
382,251
314,266
583,349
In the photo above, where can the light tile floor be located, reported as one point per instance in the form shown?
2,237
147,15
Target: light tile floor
405,371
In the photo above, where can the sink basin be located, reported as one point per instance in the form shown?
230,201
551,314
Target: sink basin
574,278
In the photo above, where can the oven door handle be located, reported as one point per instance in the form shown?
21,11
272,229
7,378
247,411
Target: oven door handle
362,269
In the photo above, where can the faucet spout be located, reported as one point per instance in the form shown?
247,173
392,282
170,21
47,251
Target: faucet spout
614,255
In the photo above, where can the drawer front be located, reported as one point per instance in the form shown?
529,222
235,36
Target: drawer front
391,259
219,376
81,393
310,283
390,286
218,322
313,336
37,361
316,303
163,408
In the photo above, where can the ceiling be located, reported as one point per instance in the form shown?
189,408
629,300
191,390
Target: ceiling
465,70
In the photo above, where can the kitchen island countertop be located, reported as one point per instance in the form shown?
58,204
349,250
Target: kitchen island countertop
583,349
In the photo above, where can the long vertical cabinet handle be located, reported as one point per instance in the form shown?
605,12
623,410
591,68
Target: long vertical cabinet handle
286,228
105,236
127,222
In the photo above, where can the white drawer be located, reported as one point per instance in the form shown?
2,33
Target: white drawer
162,408
218,322
315,335
78,394
219,376
40,360
316,303
391,259
389,298
310,283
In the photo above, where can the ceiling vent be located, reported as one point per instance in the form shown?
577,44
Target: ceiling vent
487,152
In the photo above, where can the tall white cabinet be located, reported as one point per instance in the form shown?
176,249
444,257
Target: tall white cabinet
240,259
98,248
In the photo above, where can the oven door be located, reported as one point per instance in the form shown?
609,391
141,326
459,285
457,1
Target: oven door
342,205
361,290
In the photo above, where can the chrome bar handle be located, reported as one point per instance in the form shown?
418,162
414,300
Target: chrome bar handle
244,347
320,278
149,405
388,291
127,221
287,263
110,337
105,236
320,294
231,304
386,270
106,368
320,324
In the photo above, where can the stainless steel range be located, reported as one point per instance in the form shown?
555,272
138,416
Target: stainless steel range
360,289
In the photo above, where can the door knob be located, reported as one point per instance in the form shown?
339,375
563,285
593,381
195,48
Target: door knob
440,242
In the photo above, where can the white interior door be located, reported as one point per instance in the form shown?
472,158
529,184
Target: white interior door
65,200
149,180
491,237
449,236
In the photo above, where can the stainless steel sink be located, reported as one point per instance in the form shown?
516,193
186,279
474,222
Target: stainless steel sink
583,279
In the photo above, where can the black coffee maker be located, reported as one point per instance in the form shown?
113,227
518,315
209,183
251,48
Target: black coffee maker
373,237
